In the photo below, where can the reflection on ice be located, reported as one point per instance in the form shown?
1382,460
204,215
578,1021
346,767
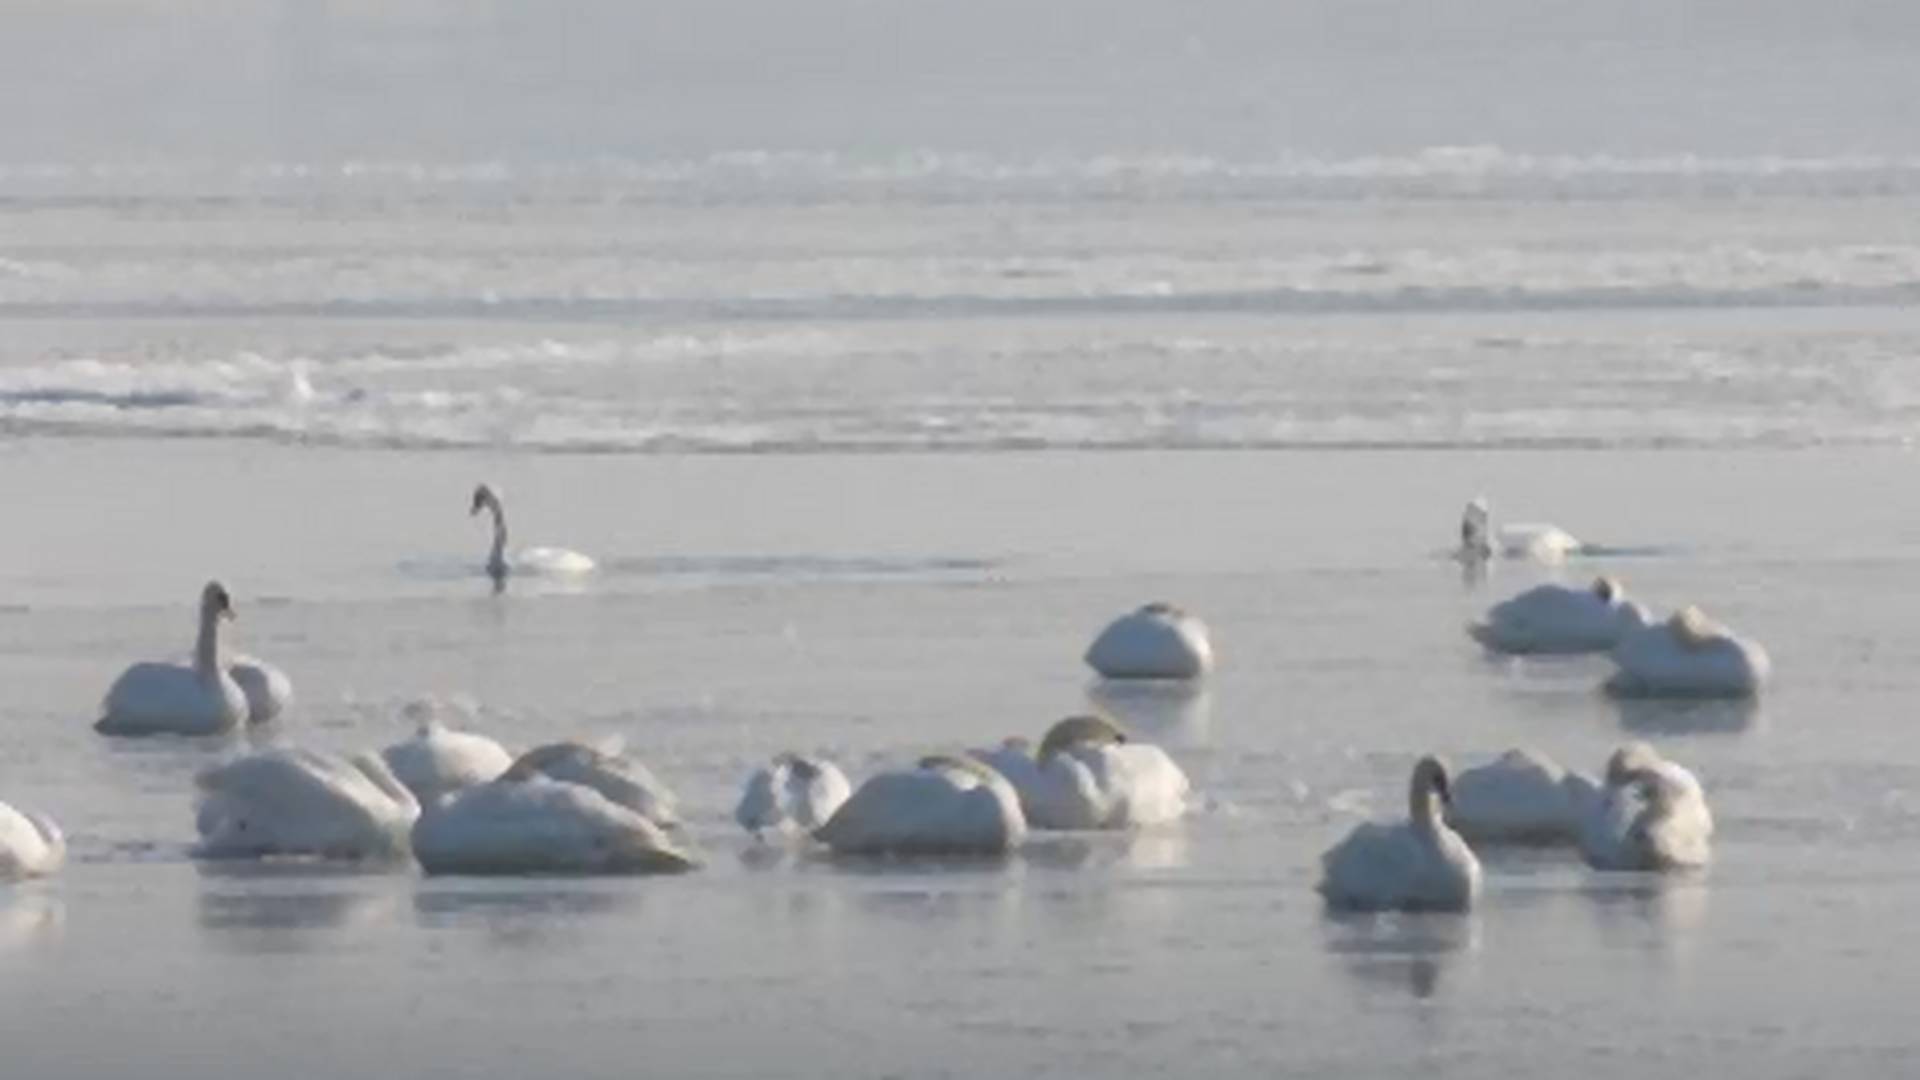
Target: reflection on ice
1175,712
1687,716
1648,911
30,915
286,899
1137,849
1404,948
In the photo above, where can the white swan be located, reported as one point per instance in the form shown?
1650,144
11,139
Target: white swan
537,825
31,845
606,770
1087,775
438,761
1541,543
946,805
1523,797
1415,865
1689,655
534,561
1560,619
796,791
1159,641
287,801
267,688
198,699
1651,815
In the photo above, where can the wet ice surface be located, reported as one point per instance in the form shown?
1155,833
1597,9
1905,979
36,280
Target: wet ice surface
876,607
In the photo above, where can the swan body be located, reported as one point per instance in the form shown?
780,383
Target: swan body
534,561
293,802
1651,815
1558,619
31,845
1542,543
1088,775
795,792
438,761
1689,655
1416,865
203,698
944,806
1159,641
538,825
620,778
1522,797
267,688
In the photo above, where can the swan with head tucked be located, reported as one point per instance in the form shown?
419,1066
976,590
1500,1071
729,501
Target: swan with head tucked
946,805
1480,540
1159,641
1689,655
1523,797
438,761
294,802
1087,774
533,824
1559,619
1416,865
202,698
794,792
31,845
607,770
1651,815
534,561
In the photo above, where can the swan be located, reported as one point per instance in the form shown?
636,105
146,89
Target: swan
438,761
1522,797
534,561
202,699
795,791
289,801
1689,655
537,825
267,688
31,845
608,771
1159,641
1479,540
1415,865
946,805
1088,775
1651,815
1561,619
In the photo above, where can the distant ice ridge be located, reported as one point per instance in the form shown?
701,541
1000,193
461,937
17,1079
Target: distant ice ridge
1440,172
900,390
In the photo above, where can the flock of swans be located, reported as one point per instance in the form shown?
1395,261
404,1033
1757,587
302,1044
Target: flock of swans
460,802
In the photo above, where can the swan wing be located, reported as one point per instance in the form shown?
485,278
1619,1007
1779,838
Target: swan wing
541,826
926,811
153,698
298,802
1152,644
31,845
267,688
438,761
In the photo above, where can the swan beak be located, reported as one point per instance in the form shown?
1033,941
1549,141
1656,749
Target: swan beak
226,612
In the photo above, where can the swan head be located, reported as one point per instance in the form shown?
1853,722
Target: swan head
1608,588
483,497
1428,785
214,601
1077,730
1630,761
1691,627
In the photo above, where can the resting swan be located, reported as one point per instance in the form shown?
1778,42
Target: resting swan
532,824
1689,655
946,805
795,792
1479,540
1560,619
1415,865
1651,815
1159,641
31,845
438,761
203,698
1087,775
1523,797
534,561
293,802
621,779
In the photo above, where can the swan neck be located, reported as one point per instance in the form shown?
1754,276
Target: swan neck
206,647
499,530
1423,806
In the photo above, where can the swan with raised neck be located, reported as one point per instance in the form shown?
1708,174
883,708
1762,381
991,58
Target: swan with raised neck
484,498
215,607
